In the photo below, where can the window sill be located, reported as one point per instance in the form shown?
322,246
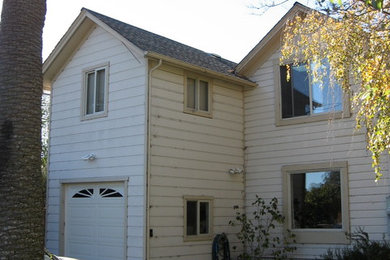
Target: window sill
318,236
198,238
94,116
311,118
198,113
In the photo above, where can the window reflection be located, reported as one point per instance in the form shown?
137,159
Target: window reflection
192,218
316,200
204,218
307,92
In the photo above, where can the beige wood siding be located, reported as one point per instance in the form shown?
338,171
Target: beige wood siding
270,147
118,140
191,156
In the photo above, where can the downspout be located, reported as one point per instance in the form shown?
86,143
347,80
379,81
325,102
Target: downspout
244,149
148,159
47,170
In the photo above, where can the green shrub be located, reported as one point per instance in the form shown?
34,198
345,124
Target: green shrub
255,234
362,248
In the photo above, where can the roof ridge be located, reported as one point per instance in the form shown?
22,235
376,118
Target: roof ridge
156,35
154,43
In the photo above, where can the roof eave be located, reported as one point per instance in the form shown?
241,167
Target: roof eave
245,66
199,69
65,48
72,40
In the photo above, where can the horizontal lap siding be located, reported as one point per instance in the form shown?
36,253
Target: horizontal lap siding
270,147
118,140
191,156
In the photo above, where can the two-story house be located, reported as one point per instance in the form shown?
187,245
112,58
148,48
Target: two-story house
153,142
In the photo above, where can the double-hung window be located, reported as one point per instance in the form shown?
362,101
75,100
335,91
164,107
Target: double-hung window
197,95
308,92
95,92
198,217
316,202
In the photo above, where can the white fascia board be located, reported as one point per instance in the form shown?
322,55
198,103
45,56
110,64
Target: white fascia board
65,48
64,40
73,38
248,59
136,52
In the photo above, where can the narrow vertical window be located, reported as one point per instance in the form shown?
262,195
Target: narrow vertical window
197,99
197,218
191,93
90,93
192,220
95,92
203,95
203,217
100,88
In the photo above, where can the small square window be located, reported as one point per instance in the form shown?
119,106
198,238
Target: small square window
95,89
197,96
317,202
197,212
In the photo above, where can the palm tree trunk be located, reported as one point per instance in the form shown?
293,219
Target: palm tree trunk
21,194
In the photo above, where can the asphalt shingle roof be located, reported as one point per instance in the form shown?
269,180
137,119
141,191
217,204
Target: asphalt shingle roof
148,41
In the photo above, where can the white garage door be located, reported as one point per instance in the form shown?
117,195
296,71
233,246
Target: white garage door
95,221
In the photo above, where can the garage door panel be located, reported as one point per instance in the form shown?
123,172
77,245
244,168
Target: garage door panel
81,231
112,235
95,218
110,252
82,250
110,215
80,213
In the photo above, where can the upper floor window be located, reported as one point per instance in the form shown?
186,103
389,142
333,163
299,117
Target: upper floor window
197,95
303,95
95,92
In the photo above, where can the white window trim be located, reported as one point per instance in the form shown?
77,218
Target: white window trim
210,91
199,199
318,236
280,121
104,113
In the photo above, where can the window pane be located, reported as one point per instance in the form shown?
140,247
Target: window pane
90,92
191,89
191,218
316,200
287,110
204,218
100,86
326,96
300,92
203,95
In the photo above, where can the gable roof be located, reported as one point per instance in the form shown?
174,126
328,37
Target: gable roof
152,45
269,43
148,41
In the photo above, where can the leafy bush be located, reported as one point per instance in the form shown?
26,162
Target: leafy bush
362,249
255,234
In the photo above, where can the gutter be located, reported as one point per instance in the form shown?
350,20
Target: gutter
148,142
182,64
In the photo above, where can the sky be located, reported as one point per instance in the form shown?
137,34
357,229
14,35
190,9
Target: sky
229,28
